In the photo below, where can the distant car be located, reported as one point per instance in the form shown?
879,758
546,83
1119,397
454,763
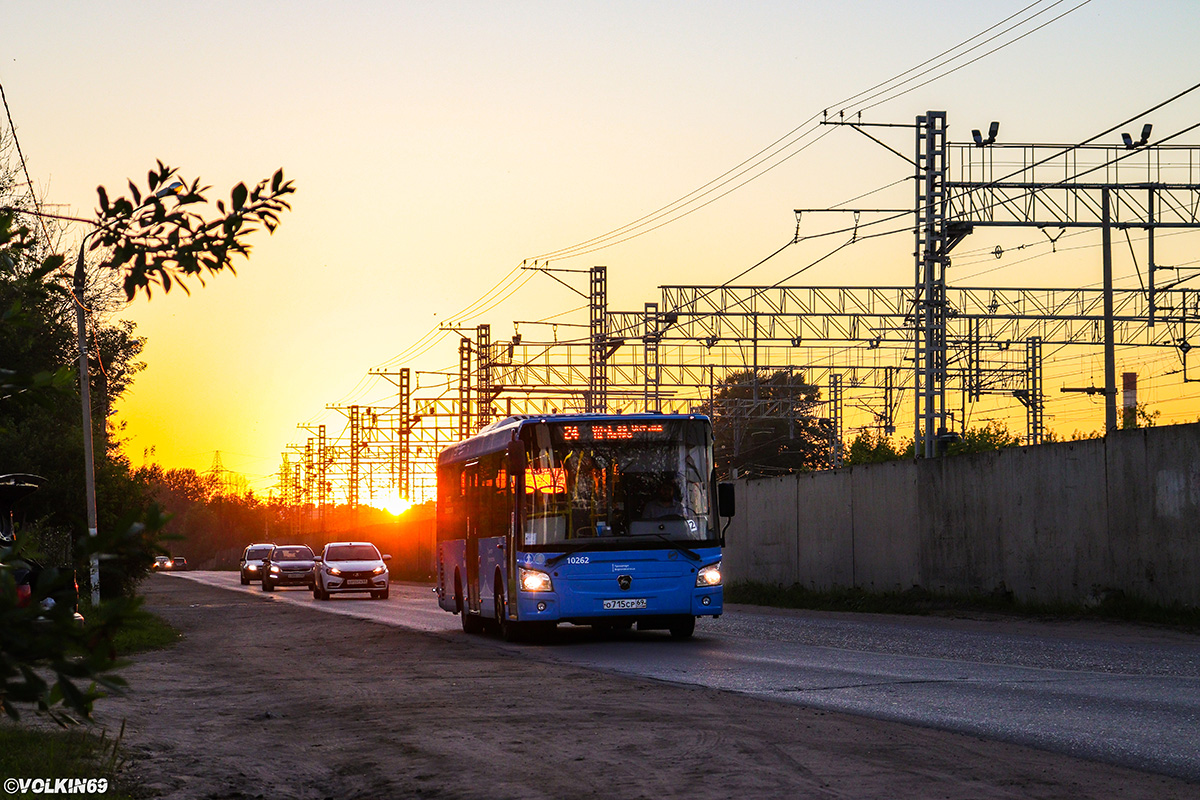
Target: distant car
252,558
177,563
289,565
161,562
351,567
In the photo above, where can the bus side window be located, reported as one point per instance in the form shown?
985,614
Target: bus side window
452,521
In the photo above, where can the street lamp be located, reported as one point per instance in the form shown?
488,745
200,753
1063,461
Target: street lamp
85,392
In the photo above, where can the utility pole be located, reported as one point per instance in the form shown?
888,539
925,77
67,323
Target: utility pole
597,398
355,453
1110,353
464,388
1020,199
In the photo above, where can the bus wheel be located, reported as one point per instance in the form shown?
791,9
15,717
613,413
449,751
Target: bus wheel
682,627
509,631
470,622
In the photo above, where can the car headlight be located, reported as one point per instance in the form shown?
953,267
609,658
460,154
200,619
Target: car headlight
252,567
535,581
379,570
275,569
332,571
710,575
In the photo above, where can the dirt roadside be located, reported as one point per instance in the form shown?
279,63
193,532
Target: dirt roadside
273,700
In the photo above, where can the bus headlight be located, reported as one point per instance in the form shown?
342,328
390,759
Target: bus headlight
534,581
709,576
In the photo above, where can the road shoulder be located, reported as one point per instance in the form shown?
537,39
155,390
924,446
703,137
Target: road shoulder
265,699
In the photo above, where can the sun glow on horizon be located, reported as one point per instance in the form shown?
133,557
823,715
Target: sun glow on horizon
393,503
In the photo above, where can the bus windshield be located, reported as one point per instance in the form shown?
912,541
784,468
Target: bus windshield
617,478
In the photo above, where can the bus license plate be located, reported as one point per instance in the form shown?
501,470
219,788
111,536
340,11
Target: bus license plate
356,582
622,604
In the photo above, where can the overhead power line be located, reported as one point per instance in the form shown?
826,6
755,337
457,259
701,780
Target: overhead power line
777,153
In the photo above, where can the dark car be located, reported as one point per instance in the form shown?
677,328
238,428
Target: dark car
177,563
351,567
288,565
252,561
62,588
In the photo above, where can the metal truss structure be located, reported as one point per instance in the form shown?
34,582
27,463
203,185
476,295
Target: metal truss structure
867,348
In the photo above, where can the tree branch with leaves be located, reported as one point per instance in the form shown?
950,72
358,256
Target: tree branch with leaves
159,237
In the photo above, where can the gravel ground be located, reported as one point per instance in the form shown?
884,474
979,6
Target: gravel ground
273,700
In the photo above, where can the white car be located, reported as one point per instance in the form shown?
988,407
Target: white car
351,567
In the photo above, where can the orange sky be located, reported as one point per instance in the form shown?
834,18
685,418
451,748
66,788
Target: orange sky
436,145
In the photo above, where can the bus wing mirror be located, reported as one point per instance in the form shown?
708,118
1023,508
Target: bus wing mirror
726,500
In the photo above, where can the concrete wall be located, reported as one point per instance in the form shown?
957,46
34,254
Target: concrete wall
1057,522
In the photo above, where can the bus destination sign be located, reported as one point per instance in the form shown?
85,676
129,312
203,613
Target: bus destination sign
613,431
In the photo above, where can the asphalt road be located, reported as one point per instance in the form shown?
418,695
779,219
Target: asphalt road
1117,694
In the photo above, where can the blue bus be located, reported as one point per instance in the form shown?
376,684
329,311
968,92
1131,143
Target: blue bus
601,520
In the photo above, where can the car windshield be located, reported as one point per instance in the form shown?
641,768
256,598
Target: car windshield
258,553
614,479
352,552
292,554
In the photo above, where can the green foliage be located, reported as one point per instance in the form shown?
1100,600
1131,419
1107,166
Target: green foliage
144,631
211,526
1139,417
47,660
992,436
75,753
159,240
872,448
40,430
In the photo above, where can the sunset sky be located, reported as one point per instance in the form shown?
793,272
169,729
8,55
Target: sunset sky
435,145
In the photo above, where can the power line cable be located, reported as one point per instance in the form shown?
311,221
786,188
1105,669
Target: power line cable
631,230
979,57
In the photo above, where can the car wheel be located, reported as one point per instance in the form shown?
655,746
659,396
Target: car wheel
245,580
267,586
381,595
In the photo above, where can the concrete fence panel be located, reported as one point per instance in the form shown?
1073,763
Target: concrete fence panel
886,526
1062,522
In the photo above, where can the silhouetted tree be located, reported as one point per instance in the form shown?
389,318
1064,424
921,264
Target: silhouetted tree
766,424
158,237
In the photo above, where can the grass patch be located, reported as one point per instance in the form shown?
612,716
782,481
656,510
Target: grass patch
28,752
144,631
1111,606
